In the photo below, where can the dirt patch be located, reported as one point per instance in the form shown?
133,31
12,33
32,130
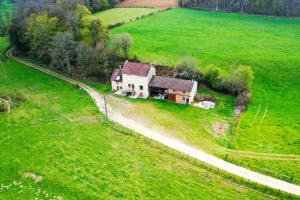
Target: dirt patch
149,3
219,128
33,176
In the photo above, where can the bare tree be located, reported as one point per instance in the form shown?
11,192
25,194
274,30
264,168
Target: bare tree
121,45
63,51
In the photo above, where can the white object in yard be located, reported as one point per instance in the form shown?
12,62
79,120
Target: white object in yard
120,93
134,96
206,105
160,96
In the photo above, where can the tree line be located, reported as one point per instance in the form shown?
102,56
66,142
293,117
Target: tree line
287,8
53,34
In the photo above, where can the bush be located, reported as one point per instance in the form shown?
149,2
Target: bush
239,80
234,82
205,97
4,107
212,77
186,69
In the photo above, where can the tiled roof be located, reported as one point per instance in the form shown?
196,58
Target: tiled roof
138,69
171,83
117,75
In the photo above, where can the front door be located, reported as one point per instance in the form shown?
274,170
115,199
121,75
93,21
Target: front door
187,100
172,97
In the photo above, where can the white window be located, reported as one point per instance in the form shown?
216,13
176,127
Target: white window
141,87
129,85
183,98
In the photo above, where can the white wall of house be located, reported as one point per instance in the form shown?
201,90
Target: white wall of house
115,84
141,83
194,90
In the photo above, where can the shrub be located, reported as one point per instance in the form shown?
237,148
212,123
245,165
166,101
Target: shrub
4,107
234,82
239,80
186,69
212,77
205,97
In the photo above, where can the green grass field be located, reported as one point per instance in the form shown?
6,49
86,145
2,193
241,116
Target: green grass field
117,15
270,45
58,134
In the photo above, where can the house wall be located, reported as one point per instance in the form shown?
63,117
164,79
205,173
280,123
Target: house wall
114,85
181,94
194,90
139,81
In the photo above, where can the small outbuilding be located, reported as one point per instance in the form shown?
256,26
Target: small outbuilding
174,89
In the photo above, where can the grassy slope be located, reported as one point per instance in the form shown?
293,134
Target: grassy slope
190,124
117,15
86,159
270,45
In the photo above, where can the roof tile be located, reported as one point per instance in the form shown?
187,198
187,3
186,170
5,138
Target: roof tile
171,83
138,69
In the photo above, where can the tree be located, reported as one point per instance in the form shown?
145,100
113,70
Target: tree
17,38
85,57
98,32
94,60
121,45
74,24
187,69
63,51
239,80
213,77
39,31
102,68
82,11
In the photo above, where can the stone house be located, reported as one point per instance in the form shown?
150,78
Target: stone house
140,80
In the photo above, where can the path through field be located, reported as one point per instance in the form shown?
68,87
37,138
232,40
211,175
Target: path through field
173,143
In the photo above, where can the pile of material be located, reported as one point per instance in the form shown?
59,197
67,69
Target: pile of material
205,105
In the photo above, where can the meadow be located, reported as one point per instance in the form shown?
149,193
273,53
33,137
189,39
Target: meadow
56,145
270,45
117,15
